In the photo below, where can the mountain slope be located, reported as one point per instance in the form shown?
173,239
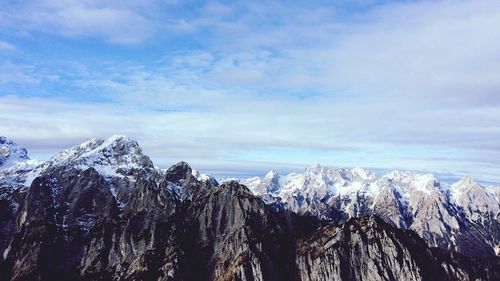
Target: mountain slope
369,249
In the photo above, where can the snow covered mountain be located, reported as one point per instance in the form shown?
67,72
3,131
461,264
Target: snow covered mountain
101,211
11,153
118,159
464,216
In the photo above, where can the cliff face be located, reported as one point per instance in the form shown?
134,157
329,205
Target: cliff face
78,231
370,249
101,211
232,235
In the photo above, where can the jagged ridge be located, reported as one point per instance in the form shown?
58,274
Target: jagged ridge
102,212
463,217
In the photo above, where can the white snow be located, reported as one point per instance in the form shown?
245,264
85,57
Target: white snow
317,181
250,182
203,177
112,158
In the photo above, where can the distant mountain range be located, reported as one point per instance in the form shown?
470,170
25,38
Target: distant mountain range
102,211
463,217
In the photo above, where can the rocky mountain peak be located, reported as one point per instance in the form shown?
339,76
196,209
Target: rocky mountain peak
362,173
205,178
271,174
236,187
116,156
465,182
314,169
340,176
466,189
182,181
178,171
118,147
11,152
271,183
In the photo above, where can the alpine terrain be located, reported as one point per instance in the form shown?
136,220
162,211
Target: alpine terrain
101,210
463,217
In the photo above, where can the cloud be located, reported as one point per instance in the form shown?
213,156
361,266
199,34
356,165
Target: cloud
111,20
431,52
6,46
17,73
410,85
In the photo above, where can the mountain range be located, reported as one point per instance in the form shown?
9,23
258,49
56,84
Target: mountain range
463,217
101,210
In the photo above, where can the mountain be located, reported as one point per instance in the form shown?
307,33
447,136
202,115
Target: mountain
463,217
102,211
11,153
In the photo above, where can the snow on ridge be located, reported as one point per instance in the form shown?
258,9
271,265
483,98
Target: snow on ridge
112,157
412,181
108,156
458,189
90,148
11,153
204,177
15,165
271,174
345,181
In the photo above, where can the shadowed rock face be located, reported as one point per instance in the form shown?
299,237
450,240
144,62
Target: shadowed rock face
370,249
87,236
233,235
99,213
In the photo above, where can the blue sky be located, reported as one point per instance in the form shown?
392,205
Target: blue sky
240,87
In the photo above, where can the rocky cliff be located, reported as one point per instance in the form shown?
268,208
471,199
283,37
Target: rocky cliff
369,249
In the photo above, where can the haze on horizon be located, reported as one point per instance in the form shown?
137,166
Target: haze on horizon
242,87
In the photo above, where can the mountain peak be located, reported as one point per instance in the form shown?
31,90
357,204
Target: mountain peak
204,177
314,168
179,171
466,187
116,156
113,146
362,173
271,174
11,152
465,181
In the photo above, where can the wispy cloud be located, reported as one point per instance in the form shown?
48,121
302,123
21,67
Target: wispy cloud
18,73
114,21
6,46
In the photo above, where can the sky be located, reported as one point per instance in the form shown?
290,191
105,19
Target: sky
239,87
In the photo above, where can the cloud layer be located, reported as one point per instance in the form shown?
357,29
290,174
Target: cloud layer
249,86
